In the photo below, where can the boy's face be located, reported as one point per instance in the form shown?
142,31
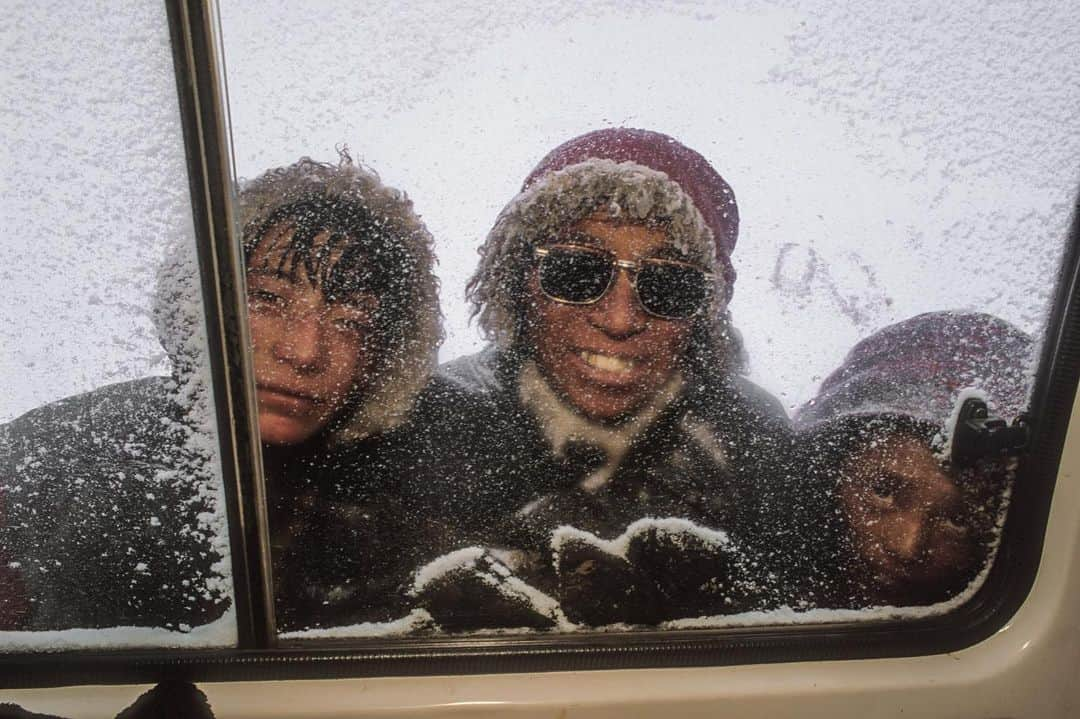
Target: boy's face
608,358
310,356
908,523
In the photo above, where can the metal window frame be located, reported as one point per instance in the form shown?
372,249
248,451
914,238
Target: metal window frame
259,656
200,80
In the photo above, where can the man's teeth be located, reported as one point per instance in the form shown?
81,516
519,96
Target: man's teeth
607,363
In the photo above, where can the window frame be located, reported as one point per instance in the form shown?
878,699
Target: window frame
200,82
261,655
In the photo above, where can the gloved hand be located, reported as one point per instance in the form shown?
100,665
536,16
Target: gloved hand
657,570
696,571
597,585
472,589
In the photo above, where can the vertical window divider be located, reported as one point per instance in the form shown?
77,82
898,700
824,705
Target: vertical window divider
197,58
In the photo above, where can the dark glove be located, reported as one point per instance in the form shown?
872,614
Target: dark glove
597,585
657,570
170,700
696,571
472,589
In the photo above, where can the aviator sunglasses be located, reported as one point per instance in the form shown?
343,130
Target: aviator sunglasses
577,275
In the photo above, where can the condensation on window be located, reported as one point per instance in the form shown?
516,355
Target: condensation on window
700,368
112,516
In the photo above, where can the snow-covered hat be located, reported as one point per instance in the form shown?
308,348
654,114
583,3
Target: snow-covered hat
639,176
709,193
915,370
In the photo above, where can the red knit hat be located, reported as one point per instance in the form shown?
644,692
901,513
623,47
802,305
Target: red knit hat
711,195
917,367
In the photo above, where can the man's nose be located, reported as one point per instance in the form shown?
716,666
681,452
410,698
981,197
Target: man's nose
618,313
302,344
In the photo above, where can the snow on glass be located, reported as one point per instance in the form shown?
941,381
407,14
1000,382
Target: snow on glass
113,531
887,161
882,173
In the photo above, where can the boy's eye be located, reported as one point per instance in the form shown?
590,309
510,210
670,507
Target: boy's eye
360,307
265,297
955,524
884,489
881,502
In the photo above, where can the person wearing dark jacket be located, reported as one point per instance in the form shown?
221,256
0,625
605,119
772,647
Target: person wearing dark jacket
611,393
114,508
110,492
912,529
345,325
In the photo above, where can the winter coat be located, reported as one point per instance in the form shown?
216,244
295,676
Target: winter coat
14,605
106,496
105,493
711,456
115,514
347,532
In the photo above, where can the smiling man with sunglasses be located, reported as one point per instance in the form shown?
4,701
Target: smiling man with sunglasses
612,393
611,316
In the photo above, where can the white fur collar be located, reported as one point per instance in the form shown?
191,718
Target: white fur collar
562,424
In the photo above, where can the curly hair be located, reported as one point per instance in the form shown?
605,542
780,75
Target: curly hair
353,234
626,192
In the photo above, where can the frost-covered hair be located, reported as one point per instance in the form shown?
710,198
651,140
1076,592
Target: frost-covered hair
375,243
625,192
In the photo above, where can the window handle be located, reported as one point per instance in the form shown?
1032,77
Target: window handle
978,434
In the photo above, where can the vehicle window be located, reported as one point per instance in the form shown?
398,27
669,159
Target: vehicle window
112,519
715,281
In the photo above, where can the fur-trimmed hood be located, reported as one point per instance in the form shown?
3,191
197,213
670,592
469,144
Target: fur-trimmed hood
414,334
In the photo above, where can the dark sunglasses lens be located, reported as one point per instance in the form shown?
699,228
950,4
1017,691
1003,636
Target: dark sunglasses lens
674,291
574,275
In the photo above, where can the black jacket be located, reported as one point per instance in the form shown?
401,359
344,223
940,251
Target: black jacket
347,531
108,500
718,455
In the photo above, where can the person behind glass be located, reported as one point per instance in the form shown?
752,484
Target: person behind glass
113,496
612,390
343,309
912,529
108,493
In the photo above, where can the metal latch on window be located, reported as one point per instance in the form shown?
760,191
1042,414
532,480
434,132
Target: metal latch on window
978,435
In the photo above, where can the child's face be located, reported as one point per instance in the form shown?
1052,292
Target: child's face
309,355
908,523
